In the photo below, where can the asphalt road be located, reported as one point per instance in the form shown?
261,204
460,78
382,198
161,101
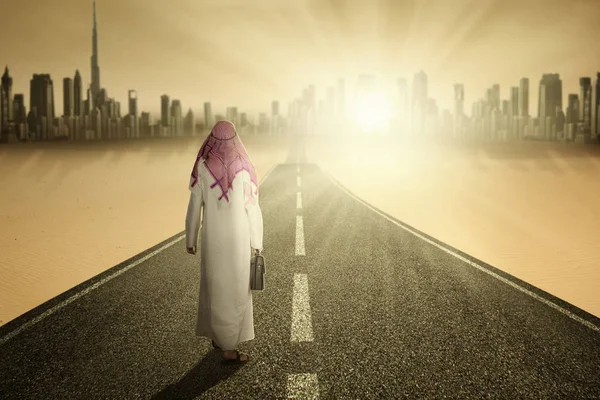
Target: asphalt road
391,316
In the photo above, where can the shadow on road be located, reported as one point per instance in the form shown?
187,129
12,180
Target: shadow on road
207,373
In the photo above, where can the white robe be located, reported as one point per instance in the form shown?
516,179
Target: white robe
229,230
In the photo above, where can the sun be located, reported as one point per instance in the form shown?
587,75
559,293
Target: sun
372,111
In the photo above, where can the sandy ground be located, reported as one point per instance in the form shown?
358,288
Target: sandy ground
70,211
530,209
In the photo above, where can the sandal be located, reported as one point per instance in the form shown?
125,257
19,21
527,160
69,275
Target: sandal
238,358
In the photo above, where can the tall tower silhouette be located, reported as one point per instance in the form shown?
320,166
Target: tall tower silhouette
77,99
95,86
6,105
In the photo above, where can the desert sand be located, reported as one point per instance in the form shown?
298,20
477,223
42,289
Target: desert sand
527,208
70,211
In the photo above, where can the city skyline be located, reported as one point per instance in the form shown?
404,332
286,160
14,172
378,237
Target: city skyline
117,44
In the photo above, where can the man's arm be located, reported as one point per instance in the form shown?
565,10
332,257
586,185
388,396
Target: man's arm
192,220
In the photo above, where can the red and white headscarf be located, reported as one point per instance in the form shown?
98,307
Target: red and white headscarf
225,156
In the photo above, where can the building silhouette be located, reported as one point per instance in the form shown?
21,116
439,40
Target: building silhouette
596,107
95,85
494,100
19,110
232,114
164,110
513,123
177,117
132,121
208,117
41,97
585,106
68,97
77,95
572,116
6,106
146,128
274,126
419,89
132,103
524,97
190,123
550,97
96,124
459,109
20,116
419,100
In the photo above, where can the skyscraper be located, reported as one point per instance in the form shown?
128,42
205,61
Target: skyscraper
596,107
514,101
459,109
419,102
87,104
95,86
208,117
190,123
77,95
274,127
20,116
488,97
573,109
164,110
177,117
459,99
505,107
524,97
132,114
419,89
585,108
96,123
68,97
550,97
33,128
41,96
20,113
232,114
495,96
132,97
146,124
311,96
6,106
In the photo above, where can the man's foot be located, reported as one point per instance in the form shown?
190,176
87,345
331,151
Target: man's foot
235,356
215,345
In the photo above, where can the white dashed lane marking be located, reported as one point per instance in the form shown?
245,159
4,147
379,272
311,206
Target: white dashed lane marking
299,236
301,318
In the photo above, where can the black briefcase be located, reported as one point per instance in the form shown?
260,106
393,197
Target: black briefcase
257,272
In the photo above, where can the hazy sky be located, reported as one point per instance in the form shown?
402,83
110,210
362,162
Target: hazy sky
248,52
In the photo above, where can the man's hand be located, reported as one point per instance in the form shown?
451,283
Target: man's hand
191,250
